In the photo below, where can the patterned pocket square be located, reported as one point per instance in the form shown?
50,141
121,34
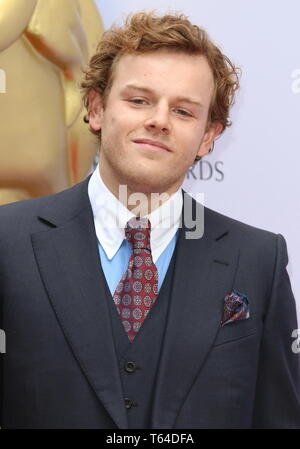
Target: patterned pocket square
236,307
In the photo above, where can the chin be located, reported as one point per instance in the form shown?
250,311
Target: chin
149,183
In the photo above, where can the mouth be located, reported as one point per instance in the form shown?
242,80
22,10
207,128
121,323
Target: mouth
153,145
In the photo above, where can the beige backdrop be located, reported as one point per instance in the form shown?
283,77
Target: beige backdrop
44,44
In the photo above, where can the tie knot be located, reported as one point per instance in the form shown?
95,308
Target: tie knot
137,232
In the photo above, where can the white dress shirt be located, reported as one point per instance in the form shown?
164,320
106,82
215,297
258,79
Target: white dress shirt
111,216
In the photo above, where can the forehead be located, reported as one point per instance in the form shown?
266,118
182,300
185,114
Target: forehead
167,73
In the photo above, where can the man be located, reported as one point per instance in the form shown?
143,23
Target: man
114,319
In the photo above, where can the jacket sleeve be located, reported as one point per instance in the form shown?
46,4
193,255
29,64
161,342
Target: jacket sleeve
277,397
2,350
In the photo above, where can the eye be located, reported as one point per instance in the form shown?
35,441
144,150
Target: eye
183,112
137,101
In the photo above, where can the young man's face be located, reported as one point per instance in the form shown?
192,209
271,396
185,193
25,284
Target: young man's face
154,122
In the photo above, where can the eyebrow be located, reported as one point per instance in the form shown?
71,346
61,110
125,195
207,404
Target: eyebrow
150,91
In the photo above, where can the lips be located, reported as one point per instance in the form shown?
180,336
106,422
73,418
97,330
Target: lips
153,143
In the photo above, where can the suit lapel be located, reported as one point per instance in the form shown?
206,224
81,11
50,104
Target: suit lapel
69,264
204,271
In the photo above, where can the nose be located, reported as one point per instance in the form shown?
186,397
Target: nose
159,120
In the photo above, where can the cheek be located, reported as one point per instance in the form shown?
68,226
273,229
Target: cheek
110,128
121,124
191,140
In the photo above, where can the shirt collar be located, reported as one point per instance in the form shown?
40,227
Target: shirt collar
111,216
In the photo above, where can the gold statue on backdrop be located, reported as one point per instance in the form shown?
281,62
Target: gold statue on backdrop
44,145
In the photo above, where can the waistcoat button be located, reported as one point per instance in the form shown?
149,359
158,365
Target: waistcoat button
130,367
128,403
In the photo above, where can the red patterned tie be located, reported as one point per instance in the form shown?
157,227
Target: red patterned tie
137,290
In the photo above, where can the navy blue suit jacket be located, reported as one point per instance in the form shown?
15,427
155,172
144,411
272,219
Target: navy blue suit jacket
60,369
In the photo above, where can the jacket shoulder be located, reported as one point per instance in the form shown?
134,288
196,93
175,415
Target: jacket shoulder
27,210
240,228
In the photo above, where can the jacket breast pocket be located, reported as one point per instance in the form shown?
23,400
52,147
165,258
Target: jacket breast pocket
235,331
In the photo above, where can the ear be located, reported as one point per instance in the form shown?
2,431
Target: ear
95,110
213,130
